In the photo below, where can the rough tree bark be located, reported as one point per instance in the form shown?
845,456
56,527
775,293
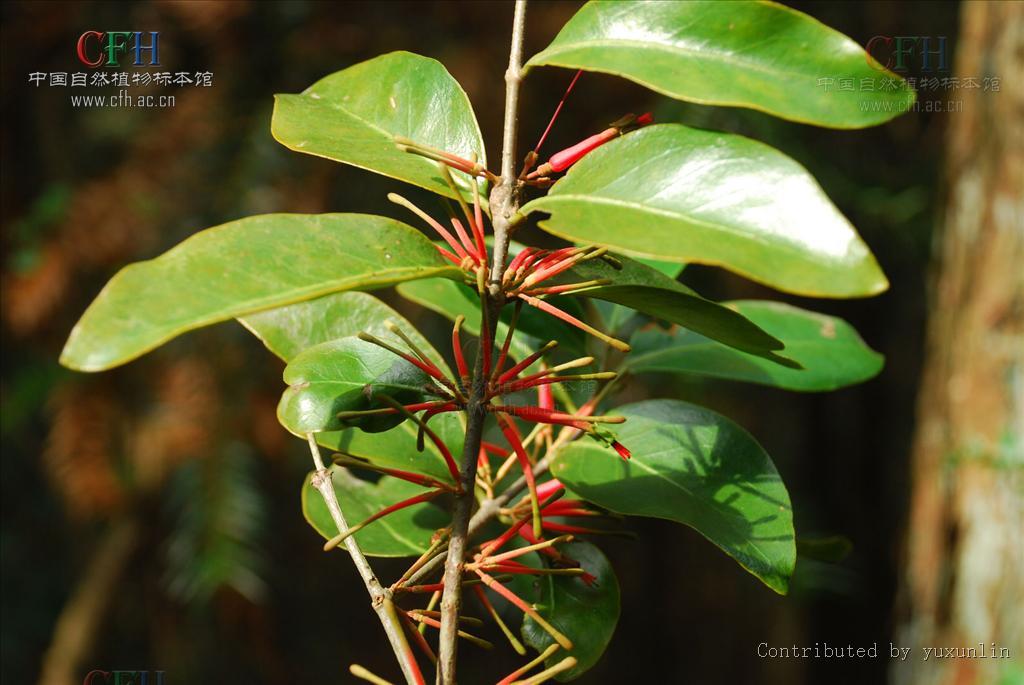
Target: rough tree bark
963,582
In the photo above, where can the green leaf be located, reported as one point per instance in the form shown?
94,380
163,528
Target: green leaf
586,615
830,351
615,316
695,467
652,292
449,299
345,375
670,269
404,533
760,55
353,115
396,448
243,267
288,330
677,193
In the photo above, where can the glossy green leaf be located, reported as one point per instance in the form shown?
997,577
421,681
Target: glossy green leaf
396,448
353,115
404,533
615,316
450,299
288,330
677,193
760,55
670,269
695,467
587,615
645,289
345,375
830,351
242,267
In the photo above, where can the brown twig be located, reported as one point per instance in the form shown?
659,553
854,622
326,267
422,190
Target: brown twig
380,596
489,508
504,203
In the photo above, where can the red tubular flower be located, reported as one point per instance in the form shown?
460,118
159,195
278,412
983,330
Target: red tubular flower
490,547
467,166
418,499
500,364
519,259
566,528
545,400
427,366
558,558
548,488
449,460
513,640
555,267
558,110
508,427
522,670
417,637
448,255
567,507
528,262
560,161
466,242
543,260
460,250
478,223
417,478
572,320
496,450
538,415
621,449
526,362
568,287
514,599
460,359
533,540
420,589
482,560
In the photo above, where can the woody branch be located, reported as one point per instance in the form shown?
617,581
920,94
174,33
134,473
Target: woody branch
504,203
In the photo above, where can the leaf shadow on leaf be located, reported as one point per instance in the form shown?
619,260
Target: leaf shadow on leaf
712,462
713,491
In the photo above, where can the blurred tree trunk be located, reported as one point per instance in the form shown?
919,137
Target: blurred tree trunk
963,581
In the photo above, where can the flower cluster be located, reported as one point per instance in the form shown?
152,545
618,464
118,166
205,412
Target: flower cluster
493,563
541,520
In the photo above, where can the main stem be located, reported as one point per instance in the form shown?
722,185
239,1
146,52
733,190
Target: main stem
504,204
380,597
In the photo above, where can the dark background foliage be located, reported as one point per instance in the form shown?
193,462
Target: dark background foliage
226,582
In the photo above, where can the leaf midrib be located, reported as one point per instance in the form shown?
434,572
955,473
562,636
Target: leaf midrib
633,360
672,49
729,522
669,214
